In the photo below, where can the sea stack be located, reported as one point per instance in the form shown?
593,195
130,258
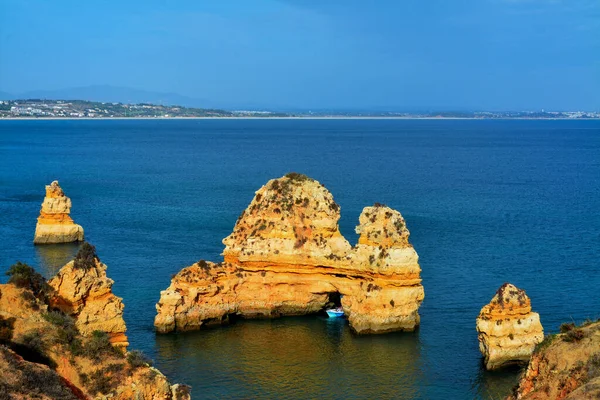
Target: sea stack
54,224
83,291
286,256
507,328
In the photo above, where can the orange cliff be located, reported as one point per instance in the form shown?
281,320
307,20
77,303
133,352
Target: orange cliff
54,224
83,291
44,353
564,366
286,256
507,329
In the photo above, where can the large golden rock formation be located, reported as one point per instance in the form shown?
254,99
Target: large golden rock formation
60,362
508,331
54,224
286,256
564,366
83,291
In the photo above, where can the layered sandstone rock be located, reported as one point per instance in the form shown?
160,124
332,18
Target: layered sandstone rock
564,366
83,291
286,256
74,365
54,224
507,328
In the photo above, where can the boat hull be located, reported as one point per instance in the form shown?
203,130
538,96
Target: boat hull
334,314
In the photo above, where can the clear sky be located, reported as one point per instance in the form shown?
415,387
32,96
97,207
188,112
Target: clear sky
453,54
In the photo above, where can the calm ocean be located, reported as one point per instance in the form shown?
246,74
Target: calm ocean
486,202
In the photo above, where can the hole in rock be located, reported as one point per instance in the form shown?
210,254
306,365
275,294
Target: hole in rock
334,300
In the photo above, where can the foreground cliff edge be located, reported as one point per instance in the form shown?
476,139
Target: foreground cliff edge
564,366
54,225
66,339
286,256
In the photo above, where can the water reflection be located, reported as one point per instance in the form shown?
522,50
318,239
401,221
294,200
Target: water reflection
309,357
52,257
495,384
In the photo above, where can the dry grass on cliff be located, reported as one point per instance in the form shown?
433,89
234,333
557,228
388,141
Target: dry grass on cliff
43,338
565,365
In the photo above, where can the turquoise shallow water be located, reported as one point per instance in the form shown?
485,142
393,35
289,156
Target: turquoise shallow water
485,201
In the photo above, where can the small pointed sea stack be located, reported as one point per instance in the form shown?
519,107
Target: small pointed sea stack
54,224
507,329
83,291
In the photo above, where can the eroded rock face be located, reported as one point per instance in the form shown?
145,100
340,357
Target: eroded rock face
286,256
21,379
507,328
54,224
86,295
70,372
564,366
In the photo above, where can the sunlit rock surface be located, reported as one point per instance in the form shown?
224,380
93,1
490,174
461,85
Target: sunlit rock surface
86,295
286,256
44,356
507,328
54,225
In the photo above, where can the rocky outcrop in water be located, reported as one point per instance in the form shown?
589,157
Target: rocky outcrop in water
286,256
54,224
564,366
83,291
507,329
43,354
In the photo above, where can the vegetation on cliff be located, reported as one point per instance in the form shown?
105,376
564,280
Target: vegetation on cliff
44,355
86,257
565,365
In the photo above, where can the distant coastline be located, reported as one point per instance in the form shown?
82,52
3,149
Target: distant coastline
333,117
44,109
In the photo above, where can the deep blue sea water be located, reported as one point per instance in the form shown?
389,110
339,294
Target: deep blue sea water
486,202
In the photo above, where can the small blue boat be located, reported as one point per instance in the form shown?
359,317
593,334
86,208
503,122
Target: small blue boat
335,312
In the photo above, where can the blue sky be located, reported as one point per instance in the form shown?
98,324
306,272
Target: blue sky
459,54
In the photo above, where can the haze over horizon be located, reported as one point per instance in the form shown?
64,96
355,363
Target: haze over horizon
466,54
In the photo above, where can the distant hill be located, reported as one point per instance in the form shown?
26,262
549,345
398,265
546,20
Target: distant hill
107,93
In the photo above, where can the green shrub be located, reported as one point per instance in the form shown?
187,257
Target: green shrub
66,333
84,378
58,319
294,176
34,341
593,366
150,375
100,382
24,276
31,347
99,346
86,257
137,359
6,329
567,327
574,335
